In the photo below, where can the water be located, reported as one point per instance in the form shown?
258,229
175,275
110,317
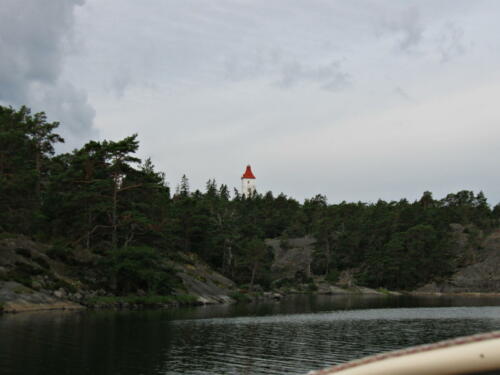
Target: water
292,337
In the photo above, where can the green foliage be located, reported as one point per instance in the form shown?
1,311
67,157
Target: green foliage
333,276
61,283
26,145
20,276
149,300
240,297
103,198
311,287
23,290
137,268
24,252
42,262
59,251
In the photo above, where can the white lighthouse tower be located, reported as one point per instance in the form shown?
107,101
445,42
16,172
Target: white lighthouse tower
248,182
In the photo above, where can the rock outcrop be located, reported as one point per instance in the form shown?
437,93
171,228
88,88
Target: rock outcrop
31,280
200,280
16,297
481,274
292,257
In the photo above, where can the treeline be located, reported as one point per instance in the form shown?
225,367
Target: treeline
103,198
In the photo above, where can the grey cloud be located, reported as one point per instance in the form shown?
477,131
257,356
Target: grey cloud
451,42
34,39
402,93
120,83
328,77
408,28
286,73
67,105
261,62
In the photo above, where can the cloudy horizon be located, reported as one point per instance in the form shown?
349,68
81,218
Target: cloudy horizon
355,100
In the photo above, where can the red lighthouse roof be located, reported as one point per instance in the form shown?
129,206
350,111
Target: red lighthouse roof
248,173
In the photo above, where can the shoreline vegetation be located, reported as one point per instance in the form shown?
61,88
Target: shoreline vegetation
170,302
101,227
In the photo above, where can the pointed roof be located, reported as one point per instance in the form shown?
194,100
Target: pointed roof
248,173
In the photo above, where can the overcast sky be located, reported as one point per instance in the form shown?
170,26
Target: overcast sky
358,100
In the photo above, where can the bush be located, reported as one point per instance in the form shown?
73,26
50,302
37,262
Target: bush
19,277
7,235
283,283
333,276
311,287
137,268
24,252
42,262
60,283
59,252
150,300
28,269
240,297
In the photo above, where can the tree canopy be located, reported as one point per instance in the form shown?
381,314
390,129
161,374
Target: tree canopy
104,198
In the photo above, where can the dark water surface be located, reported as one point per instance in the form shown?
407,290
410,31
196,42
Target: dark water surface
293,336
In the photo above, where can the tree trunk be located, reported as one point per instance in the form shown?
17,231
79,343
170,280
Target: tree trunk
254,271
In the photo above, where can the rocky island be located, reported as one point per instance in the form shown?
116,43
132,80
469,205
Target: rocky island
100,228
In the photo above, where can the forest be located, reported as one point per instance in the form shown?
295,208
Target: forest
103,198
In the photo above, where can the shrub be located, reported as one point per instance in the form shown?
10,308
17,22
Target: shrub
18,277
24,252
59,252
7,235
42,262
140,268
28,269
149,300
60,283
240,297
311,287
333,276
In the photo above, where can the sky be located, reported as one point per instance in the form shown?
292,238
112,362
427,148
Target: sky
358,100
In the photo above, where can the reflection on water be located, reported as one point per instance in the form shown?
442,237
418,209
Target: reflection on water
294,336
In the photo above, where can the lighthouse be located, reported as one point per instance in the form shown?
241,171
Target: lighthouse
248,182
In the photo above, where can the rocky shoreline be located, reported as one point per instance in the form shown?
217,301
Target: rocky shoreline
17,298
32,279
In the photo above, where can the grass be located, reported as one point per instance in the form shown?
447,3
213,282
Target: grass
151,300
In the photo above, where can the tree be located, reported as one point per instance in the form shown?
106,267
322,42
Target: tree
137,268
256,258
26,145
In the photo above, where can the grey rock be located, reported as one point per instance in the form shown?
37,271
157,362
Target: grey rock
60,293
